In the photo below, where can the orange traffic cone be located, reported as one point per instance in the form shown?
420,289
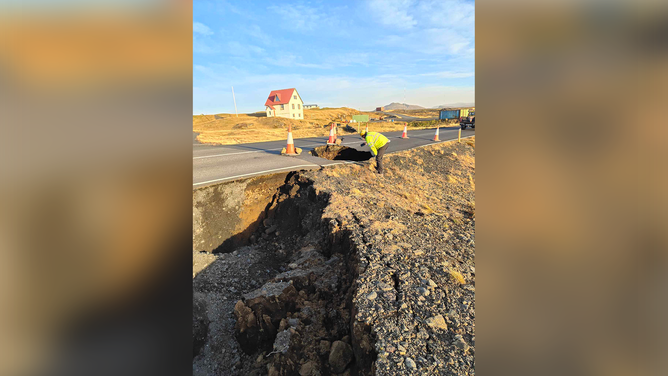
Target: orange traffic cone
290,149
332,136
436,135
405,134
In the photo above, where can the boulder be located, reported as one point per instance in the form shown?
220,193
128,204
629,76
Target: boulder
340,355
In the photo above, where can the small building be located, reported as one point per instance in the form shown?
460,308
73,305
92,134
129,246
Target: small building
285,103
380,108
310,106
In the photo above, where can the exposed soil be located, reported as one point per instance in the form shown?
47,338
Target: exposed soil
350,273
341,153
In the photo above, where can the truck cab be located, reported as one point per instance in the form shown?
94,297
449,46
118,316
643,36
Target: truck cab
468,121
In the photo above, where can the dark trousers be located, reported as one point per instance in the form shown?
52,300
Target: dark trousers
379,158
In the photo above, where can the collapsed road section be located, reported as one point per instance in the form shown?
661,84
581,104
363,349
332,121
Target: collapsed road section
339,271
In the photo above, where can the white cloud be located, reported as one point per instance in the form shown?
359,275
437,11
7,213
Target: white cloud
243,49
303,18
200,28
452,13
256,32
297,16
429,26
392,13
430,41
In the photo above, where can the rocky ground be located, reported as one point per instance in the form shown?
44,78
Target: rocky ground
352,273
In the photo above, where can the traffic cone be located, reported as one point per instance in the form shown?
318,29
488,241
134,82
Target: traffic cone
436,135
332,136
290,149
405,134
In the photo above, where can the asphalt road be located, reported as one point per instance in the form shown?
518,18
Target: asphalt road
217,163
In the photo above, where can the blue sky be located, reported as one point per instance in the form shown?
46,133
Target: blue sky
358,54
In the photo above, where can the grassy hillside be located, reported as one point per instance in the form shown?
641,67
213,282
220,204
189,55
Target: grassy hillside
230,129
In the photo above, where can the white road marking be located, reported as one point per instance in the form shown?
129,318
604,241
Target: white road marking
260,151
255,173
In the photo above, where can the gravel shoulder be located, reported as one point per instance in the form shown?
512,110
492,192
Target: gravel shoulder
414,231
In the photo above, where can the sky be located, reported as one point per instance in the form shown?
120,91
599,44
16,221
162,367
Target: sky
358,54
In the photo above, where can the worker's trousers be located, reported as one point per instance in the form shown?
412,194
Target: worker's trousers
379,158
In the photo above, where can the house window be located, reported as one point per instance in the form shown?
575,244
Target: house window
293,115
282,107
293,106
299,106
294,96
300,115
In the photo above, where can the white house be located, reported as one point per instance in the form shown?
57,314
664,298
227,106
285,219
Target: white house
285,103
308,106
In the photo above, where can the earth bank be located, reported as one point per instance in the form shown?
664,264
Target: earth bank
350,273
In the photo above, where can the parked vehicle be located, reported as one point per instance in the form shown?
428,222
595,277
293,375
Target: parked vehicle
469,121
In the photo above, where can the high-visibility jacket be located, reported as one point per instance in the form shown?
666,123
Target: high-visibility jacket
375,141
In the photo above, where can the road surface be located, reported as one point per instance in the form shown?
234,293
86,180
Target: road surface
218,163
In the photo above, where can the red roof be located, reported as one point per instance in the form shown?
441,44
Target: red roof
283,97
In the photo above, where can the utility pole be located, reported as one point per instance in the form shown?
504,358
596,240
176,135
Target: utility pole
235,102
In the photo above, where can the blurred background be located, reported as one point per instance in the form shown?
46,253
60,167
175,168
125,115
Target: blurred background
95,185
571,187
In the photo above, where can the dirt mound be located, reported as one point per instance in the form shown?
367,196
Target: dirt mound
341,153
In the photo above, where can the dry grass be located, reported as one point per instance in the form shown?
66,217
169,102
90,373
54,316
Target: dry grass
421,113
419,192
457,276
229,129
226,129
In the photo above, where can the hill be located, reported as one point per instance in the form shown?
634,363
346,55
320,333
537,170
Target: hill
402,106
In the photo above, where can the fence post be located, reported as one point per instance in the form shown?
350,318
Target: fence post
459,137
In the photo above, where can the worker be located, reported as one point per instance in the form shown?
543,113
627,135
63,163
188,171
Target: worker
378,144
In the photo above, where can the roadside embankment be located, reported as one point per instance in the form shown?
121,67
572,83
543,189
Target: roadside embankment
343,272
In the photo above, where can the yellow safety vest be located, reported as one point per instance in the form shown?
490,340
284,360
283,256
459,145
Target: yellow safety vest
375,141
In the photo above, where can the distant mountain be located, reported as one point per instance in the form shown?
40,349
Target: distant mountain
402,106
460,104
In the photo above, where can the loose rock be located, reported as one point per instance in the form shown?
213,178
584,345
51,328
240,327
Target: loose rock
437,322
339,356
